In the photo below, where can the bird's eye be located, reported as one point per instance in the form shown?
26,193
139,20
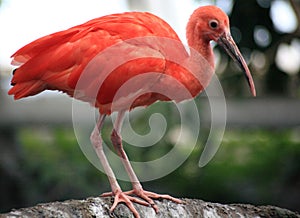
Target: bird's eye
214,24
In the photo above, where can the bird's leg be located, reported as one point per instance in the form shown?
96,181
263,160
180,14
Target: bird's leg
116,190
96,140
137,187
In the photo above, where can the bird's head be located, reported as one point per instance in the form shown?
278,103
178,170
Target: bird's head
211,23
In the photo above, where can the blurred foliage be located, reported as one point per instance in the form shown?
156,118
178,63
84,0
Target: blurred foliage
251,166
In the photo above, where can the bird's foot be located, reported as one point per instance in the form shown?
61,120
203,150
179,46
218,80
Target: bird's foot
120,197
146,196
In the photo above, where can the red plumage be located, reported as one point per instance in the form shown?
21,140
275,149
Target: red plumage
56,61
121,61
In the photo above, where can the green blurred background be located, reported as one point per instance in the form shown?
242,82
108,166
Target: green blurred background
257,163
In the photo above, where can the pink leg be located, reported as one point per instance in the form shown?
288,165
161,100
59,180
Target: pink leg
137,187
116,190
97,143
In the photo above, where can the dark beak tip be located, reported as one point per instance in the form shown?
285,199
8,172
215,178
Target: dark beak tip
253,92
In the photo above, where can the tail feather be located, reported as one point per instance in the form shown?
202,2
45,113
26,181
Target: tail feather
25,89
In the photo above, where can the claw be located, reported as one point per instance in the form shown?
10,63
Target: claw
141,197
122,197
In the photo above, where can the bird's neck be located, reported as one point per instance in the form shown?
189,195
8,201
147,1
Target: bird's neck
201,65
202,47
199,41
201,56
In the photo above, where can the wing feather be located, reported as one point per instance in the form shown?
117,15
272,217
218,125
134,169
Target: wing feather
57,61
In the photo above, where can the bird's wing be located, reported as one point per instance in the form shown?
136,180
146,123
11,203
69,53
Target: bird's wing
57,61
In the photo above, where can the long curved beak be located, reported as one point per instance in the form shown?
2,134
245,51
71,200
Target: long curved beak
226,41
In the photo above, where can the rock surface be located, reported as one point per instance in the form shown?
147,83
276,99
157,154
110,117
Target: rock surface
99,207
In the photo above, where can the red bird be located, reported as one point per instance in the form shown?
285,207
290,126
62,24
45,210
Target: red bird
94,60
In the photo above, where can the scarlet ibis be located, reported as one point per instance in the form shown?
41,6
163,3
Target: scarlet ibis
57,61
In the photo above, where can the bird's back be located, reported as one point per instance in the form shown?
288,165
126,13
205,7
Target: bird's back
57,61
49,62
